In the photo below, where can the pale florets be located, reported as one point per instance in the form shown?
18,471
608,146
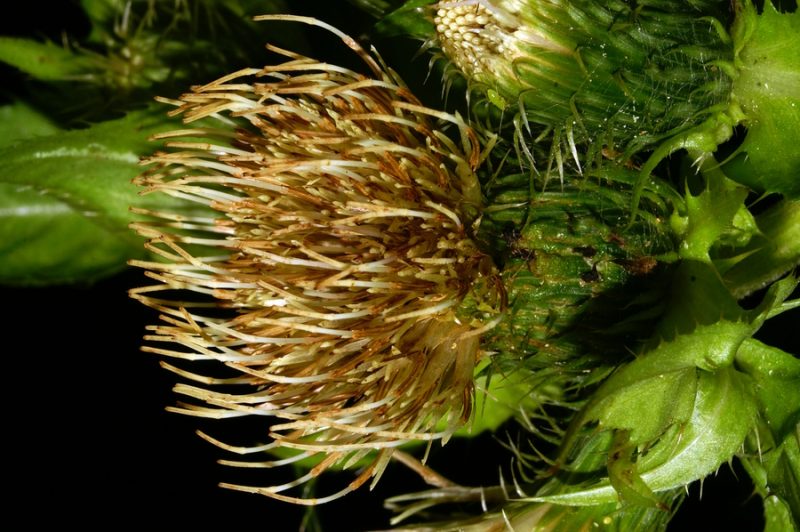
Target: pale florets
330,271
484,38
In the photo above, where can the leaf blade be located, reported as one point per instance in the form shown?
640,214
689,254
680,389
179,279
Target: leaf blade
87,172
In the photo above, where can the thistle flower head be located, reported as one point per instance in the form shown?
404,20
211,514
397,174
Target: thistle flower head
330,274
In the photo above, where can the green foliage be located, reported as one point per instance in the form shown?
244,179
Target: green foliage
777,384
44,61
773,458
19,121
766,87
682,407
65,198
138,49
65,193
409,19
722,416
709,215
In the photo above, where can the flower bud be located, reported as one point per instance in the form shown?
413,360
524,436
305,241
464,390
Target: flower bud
597,78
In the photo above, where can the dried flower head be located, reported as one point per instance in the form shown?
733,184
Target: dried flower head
331,273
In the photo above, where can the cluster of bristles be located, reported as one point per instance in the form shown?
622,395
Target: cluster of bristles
330,269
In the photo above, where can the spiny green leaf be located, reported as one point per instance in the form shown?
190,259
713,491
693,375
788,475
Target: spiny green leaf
683,404
66,199
44,240
646,408
659,389
777,383
723,414
88,169
773,250
698,297
710,216
767,89
777,516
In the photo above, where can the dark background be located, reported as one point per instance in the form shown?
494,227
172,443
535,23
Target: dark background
87,441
